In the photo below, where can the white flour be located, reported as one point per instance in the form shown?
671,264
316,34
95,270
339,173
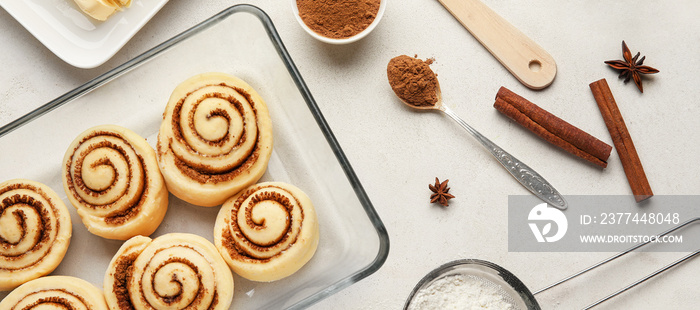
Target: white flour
461,292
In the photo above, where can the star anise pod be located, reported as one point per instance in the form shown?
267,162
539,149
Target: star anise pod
440,192
631,67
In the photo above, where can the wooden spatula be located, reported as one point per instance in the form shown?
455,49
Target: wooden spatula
526,60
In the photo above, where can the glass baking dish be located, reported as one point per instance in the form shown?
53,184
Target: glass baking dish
241,41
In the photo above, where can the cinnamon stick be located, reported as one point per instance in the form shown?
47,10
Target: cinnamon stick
552,128
622,140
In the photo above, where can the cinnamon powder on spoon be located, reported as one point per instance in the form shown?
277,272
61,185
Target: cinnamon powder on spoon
338,19
412,80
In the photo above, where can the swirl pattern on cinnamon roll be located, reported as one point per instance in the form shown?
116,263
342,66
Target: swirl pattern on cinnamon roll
111,176
35,231
267,232
55,292
215,139
173,271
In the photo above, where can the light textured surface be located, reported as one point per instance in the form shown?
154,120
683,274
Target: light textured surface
397,152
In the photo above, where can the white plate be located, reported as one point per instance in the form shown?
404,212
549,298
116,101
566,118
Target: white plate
73,36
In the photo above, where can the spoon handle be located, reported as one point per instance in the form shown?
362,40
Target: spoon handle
526,60
529,178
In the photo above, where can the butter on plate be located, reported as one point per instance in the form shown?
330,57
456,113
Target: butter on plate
101,9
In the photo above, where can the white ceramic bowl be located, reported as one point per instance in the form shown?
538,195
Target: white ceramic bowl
382,8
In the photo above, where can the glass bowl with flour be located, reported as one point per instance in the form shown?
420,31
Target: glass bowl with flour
470,284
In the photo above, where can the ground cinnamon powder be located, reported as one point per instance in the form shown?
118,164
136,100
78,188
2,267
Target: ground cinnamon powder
338,19
413,80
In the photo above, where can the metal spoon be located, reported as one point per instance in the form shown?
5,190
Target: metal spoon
532,180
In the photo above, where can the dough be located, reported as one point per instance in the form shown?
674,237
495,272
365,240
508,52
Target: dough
55,292
215,139
111,176
267,232
173,271
35,231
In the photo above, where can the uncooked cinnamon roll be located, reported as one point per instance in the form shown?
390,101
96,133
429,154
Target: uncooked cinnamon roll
35,230
173,271
55,292
111,176
267,232
215,139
